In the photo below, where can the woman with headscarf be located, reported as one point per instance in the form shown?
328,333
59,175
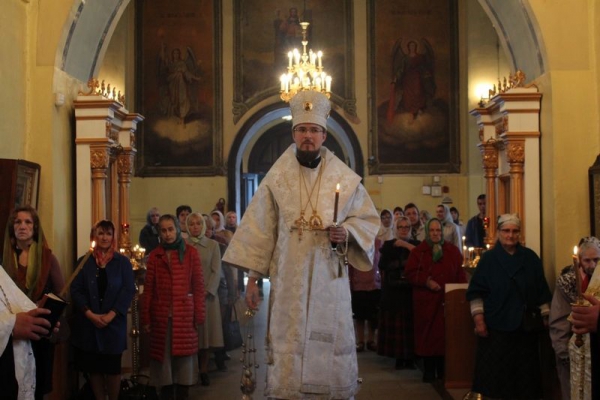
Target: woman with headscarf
565,294
430,266
102,293
395,337
149,237
450,231
508,279
220,230
28,260
210,334
172,310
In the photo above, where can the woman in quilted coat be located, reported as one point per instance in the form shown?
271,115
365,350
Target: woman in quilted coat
172,309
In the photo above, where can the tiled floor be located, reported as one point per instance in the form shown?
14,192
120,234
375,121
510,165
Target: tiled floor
380,380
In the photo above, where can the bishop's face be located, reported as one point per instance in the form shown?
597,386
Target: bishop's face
309,137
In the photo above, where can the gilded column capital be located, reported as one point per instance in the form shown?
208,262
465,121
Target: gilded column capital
125,162
489,155
515,152
99,157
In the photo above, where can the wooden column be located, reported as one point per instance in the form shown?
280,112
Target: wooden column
99,163
489,151
125,161
515,153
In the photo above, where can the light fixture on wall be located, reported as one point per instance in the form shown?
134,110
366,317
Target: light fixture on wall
447,200
305,71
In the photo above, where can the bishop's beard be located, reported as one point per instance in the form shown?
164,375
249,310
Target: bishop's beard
307,156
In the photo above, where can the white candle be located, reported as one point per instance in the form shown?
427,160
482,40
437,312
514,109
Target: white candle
283,78
328,83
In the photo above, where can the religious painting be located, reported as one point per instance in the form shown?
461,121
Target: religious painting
179,87
266,30
413,57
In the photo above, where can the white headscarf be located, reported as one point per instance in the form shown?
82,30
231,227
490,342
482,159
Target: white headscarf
386,233
221,226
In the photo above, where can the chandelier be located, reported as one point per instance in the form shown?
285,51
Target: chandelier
304,71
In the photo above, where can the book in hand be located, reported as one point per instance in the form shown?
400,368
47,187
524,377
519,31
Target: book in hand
56,305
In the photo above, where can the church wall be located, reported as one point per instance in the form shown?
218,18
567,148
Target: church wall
569,125
13,64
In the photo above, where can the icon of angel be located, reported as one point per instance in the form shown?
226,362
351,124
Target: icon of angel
178,81
413,77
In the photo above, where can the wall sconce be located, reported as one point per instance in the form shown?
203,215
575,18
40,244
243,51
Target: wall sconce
447,200
436,188
59,99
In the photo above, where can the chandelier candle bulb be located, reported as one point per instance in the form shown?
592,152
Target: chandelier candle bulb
335,204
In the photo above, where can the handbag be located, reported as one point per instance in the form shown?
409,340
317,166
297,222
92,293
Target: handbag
232,334
532,320
137,387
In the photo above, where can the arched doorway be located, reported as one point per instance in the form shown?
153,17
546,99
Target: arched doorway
265,136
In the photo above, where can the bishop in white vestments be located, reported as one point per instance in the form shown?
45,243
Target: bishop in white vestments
287,234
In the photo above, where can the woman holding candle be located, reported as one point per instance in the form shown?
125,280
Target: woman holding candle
102,293
509,279
565,294
30,263
430,266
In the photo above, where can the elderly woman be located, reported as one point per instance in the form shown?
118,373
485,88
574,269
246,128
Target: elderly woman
102,293
30,263
149,237
210,334
509,279
430,266
565,294
172,309
395,336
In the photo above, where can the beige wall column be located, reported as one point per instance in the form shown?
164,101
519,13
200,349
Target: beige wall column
105,150
509,134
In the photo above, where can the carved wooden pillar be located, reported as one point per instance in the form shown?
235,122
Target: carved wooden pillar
99,163
489,152
125,161
515,154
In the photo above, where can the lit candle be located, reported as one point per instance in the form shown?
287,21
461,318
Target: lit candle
122,250
92,246
464,239
290,56
471,250
577,274
319,56
335,204
328,83
283,78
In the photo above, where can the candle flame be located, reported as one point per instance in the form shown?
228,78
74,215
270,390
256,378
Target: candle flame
575,250
337,188
93,244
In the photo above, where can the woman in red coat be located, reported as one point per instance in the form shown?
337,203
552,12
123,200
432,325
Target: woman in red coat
172,309
431,265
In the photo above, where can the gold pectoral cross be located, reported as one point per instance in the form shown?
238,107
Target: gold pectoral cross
301,224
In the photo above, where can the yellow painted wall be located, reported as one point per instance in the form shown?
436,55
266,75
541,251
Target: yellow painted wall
569,123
